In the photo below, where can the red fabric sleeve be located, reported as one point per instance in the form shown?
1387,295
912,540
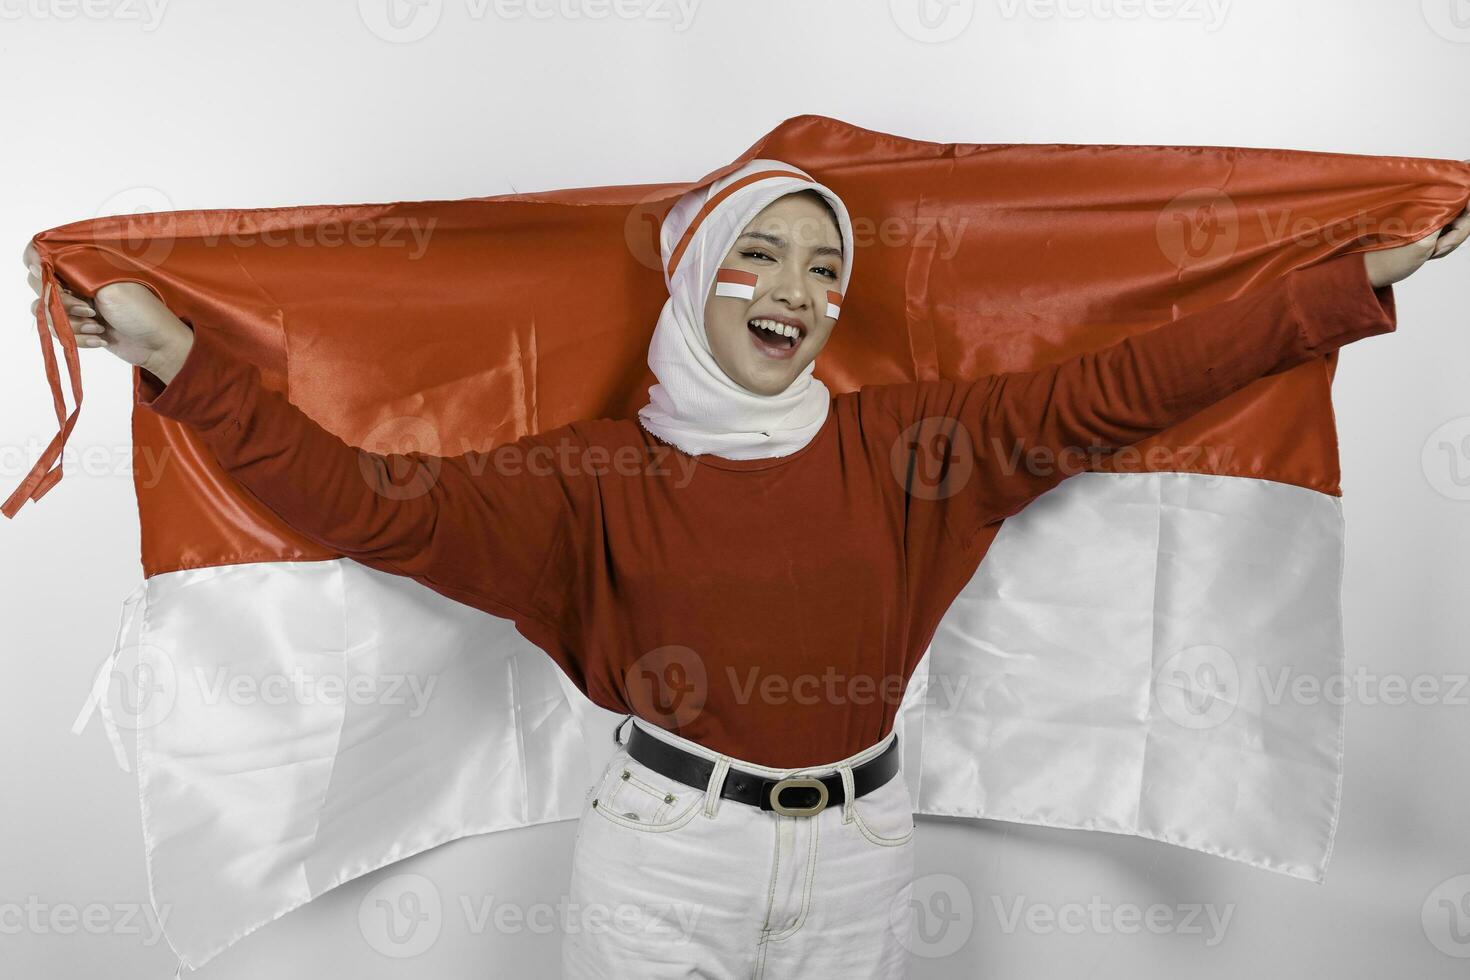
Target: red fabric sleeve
489,529
1068,415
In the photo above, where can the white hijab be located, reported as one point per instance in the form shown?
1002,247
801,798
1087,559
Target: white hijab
696,406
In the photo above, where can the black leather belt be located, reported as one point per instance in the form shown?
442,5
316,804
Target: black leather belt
795,796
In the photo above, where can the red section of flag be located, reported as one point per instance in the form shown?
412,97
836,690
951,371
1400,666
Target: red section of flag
737,276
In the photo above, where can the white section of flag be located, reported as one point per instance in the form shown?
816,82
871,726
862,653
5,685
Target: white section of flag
736,289
734,283
1028,705
1116,664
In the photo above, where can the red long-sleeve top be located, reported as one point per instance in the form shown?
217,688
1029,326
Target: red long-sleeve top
770,609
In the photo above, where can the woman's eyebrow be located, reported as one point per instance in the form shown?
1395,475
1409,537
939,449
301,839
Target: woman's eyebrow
780,242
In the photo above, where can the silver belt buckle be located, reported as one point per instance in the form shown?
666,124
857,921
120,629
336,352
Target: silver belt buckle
799,811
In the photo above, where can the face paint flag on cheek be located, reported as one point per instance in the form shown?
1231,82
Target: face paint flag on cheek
696,406
735,283
834,303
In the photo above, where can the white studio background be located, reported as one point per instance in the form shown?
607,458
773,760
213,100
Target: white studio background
115,105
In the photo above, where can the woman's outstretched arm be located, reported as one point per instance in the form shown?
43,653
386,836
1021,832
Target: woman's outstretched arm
487,528
492,530
1025,432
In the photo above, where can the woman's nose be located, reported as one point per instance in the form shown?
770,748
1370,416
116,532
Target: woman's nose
792,289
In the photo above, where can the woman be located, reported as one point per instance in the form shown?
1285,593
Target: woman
758,589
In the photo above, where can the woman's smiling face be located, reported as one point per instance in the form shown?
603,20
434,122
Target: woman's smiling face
795,250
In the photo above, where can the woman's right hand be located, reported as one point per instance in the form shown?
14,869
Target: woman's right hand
126,318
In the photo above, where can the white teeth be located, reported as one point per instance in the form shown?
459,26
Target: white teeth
775,326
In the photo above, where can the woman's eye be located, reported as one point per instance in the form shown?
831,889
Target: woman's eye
757,254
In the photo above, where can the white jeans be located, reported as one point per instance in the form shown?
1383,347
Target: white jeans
672,881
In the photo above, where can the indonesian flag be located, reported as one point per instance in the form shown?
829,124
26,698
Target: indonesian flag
735,283
834,303
1114,655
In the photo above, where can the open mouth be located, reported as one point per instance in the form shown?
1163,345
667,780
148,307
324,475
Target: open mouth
773,337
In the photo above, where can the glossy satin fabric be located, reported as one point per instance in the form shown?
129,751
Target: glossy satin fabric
975,259
1123,661
298,724
1063,688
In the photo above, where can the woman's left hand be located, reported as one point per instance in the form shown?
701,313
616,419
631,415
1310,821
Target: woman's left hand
1390,265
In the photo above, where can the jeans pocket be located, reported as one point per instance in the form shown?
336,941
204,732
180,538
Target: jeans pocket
885,816
635,796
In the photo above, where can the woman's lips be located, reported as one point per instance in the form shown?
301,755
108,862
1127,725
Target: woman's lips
773,347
